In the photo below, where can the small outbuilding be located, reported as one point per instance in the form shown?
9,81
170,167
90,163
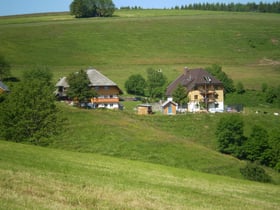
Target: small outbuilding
144,109
169,107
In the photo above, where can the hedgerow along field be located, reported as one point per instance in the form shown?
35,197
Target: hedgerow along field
245,44
43,178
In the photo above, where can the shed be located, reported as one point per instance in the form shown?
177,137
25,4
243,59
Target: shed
144,109
169,107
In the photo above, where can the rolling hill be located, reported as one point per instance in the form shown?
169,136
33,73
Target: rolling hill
118,160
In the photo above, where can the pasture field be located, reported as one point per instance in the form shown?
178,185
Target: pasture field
246,45
118,160
43,178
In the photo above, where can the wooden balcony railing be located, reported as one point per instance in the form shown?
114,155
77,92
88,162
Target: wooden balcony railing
105,100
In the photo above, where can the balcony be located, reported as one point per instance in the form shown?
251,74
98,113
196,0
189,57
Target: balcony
104,100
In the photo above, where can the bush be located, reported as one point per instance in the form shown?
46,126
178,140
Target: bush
254,172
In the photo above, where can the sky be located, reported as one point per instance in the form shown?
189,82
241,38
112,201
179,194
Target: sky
14,7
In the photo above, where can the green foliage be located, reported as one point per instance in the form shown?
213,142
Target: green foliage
217,72
240,88
230,135
29,113
79,89
255,173
4,68
92,8
274,142
180,95
136,85
257,147
156,83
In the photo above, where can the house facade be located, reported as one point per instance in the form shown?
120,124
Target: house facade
107,91
205,92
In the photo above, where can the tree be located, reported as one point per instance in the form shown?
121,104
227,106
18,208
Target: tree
229,134
257,147
156,82
92,8
216,71
29,113
136,85
240,88
180,95
4,68
79,89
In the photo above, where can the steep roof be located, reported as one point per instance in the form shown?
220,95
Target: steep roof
98,79
62,82
3,86
168,102
191,78
95,77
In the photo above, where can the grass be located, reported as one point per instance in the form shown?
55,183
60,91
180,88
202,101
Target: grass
136,40
157,162
58,179
183,141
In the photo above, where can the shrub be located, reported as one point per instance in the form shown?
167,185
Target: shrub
254,172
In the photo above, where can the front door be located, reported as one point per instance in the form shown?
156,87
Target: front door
170,109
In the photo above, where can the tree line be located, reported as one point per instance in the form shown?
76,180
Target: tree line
273,7
236,7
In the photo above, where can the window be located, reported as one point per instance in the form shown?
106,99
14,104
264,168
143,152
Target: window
195,97
106,88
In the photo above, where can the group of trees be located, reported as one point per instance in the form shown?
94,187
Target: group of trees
92,8
258,147
153,87
29,113
273,7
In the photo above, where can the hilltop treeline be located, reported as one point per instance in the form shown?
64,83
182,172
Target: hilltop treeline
232,7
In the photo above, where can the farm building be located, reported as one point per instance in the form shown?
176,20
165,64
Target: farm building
108,92
205,92
169,107
144,109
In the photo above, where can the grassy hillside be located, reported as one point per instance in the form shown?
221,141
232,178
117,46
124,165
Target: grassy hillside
245,44
186,141
40,178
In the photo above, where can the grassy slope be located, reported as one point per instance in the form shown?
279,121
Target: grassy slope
245,44
186,141
40,178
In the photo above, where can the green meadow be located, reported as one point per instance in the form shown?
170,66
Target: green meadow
246,45
116,159
42,178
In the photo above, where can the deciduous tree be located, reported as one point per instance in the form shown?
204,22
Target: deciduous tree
136,85
29,113
79,89
156,82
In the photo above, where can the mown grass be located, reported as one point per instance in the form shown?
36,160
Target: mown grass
41,178
133,41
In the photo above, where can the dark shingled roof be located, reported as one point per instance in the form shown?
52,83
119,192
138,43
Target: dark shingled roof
191,78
